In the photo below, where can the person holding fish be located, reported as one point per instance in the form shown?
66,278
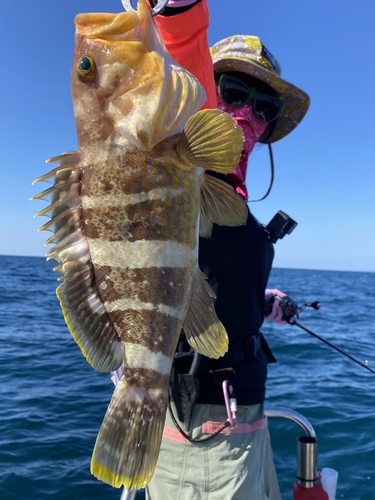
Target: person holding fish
201,455
132,209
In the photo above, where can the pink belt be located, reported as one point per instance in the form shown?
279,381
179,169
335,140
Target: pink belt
211,427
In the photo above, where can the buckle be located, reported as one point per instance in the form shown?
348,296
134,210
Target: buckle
252,346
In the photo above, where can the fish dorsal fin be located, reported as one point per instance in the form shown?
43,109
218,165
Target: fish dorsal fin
203,329
83,310
211,140
220,204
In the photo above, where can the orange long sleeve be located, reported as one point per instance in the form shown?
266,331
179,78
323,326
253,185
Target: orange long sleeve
185,36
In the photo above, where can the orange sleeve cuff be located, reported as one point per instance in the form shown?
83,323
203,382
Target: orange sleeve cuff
185,37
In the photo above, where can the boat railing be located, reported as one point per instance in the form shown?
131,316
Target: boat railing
281,412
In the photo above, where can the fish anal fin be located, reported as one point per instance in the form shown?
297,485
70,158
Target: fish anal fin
89,324
211,140
203,329
220,204
128,443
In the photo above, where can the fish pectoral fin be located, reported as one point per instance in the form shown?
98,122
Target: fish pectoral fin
203,329
128,443
211,140
89,325
220,204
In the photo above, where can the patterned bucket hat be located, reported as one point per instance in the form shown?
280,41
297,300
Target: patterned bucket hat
248,55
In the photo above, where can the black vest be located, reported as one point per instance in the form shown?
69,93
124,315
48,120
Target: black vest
237,262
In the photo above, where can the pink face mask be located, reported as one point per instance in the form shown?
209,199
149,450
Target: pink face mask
253,130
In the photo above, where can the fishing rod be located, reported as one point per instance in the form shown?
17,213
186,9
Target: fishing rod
291,311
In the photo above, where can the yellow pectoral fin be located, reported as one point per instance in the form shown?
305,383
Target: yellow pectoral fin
220,204
211,140
203,329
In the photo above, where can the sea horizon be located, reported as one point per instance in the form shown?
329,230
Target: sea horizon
274,267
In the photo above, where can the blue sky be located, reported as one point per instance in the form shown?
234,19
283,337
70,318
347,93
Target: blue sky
325,169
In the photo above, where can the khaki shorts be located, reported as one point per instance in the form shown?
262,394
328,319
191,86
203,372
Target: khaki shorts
235,465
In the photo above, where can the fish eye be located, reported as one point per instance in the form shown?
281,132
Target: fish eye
86,69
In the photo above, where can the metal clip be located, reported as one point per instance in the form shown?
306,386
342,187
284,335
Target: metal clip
230,403
159,7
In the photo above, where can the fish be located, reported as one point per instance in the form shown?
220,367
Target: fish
126,210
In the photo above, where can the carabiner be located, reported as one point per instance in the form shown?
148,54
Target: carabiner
159,7
230,403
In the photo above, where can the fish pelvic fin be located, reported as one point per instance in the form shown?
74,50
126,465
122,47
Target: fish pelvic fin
220,204
83,309
203,329
128,443
211,140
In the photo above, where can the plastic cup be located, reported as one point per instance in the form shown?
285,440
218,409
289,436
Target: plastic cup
328,479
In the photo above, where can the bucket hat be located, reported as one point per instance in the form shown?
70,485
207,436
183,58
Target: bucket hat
248,55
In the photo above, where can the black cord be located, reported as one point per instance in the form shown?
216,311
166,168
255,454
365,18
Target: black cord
181,431
272,176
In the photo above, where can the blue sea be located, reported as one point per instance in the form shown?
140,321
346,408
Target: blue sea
52,402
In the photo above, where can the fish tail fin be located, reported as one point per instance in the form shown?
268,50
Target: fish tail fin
211,140
128,443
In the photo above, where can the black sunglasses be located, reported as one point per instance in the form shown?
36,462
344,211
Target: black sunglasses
237,93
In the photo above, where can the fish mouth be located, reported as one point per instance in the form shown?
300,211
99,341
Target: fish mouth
105,25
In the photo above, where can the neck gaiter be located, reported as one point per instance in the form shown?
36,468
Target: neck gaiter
253,130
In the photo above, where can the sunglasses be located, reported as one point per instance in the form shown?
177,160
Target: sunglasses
237,93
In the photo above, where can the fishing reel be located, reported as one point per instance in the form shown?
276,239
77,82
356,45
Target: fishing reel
291,310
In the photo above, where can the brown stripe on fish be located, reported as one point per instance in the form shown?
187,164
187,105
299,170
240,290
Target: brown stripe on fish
134,172
150,328
138,284
170,219
144,377
129,172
